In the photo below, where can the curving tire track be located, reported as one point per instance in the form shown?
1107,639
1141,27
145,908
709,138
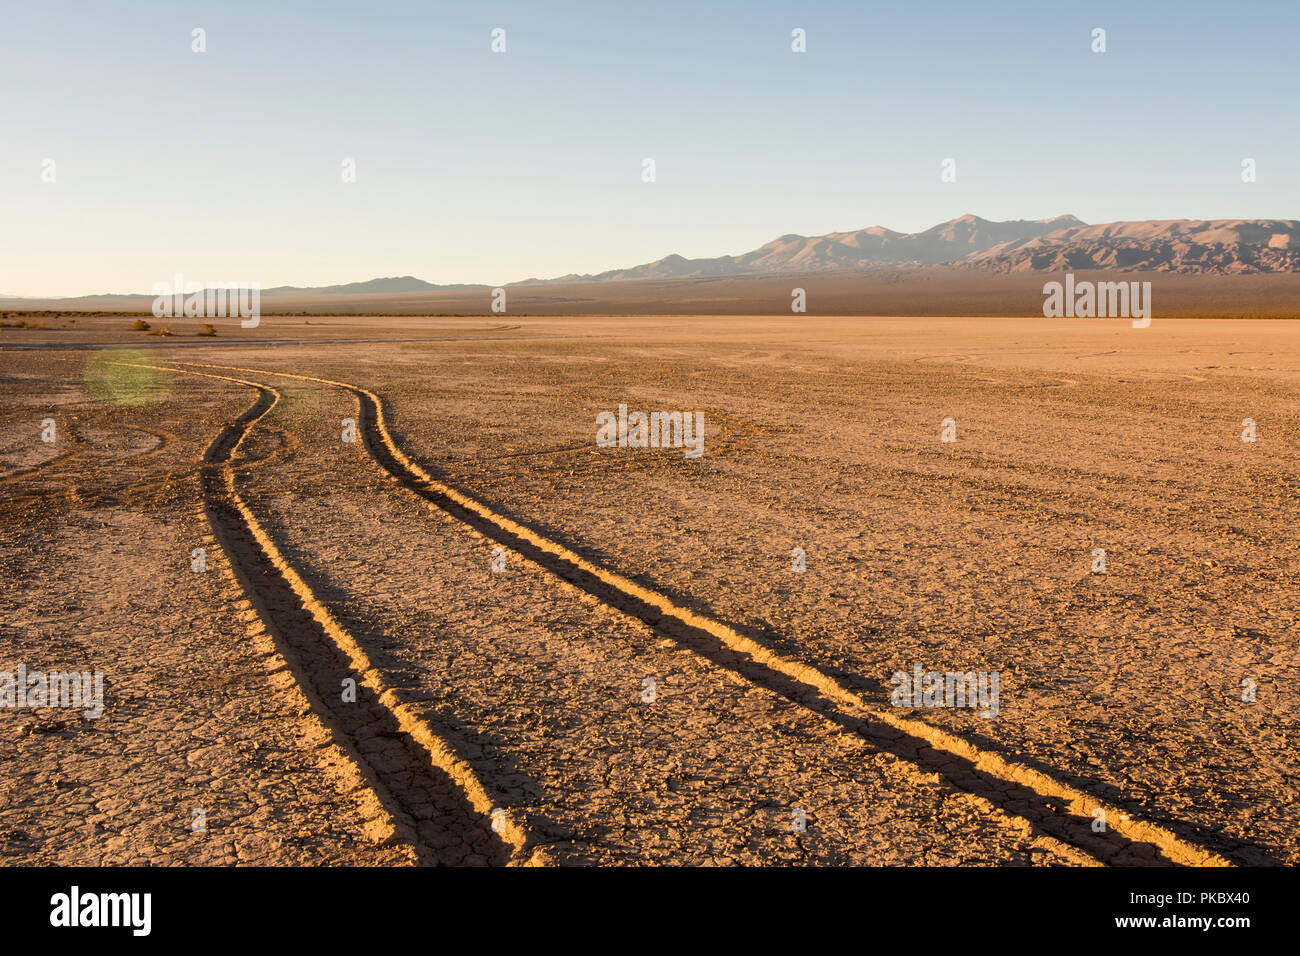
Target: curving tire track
432,795
1049,805
131,491
80,446
26,471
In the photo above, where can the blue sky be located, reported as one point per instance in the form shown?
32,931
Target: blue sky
482,167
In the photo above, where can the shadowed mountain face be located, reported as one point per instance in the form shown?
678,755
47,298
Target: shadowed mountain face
1191,246
1217,246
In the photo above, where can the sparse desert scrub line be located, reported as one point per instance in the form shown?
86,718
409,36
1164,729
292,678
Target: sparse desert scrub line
1018,788
322,656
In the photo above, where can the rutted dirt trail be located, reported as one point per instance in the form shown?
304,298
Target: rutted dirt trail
571,654
441,808
1058,809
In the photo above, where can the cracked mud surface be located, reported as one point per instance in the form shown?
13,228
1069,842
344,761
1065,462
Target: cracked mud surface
821,435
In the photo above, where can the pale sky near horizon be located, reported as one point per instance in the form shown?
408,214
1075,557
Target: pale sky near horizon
480,167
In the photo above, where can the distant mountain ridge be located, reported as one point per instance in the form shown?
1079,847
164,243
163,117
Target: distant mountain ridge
1186,246
1220,246
395,284
864,249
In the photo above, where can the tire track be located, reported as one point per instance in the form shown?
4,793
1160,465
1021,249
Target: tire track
437,802
344,767
1051,806
164,441
79,447
108,494
26,471
83,445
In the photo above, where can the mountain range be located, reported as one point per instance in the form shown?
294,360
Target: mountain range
1183,246
1219,246
394,284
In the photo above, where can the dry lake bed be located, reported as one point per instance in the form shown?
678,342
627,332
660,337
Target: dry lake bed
910,591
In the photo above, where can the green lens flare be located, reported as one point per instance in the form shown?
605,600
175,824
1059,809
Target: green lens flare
114,376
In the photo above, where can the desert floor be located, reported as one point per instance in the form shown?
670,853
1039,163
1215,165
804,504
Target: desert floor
572,654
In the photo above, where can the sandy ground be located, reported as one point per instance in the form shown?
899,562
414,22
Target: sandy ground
507,716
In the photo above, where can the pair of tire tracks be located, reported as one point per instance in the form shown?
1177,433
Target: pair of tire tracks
433,797
1048,805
